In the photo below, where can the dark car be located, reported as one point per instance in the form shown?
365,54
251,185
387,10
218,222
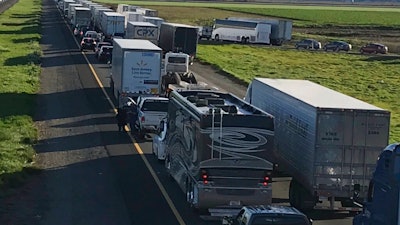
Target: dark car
105,53
337,46
374,48
88,43
268,214
308,44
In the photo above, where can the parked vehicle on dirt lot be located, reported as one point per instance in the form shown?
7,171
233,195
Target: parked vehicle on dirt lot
88,43
308,44
268,214
151,110
337,46
374,48
105,53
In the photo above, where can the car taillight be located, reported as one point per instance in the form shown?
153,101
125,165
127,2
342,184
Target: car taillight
204,177
266,180
142,119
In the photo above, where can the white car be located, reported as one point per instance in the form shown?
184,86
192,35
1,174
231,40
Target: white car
159,140
151,110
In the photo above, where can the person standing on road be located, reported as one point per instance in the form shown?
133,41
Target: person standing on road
121,119
132,116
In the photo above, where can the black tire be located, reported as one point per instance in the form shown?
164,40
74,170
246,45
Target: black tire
300,198
216,37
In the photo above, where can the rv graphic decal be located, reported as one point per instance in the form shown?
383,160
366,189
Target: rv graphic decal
237,141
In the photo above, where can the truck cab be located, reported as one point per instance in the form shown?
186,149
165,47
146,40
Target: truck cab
383,201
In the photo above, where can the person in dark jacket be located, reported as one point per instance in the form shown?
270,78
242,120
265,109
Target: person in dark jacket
132,116
121,119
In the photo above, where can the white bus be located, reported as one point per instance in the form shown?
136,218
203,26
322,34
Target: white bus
241,31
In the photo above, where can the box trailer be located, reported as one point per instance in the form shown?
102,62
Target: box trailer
327,141
147,11
112,24
175,37
281,29
132,17
97,16
136,68
71,10
241,31
154,20
217,149
65,6
81,17
142,30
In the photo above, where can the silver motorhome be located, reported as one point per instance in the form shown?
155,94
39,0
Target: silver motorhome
327,141
217,146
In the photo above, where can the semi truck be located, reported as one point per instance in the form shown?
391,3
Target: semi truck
136,69
281,29
142,30
132,17
382,205
97,16
71,10
65,6
112,24
217,149
81,17
326,141
176,37
241,31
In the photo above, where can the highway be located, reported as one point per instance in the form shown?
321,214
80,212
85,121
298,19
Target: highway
138,189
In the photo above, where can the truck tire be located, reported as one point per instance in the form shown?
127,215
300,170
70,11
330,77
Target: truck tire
299,197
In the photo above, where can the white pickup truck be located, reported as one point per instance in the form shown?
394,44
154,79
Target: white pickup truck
151,110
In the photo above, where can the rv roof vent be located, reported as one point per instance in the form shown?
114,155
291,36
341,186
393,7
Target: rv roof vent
201,102
192,98
215,101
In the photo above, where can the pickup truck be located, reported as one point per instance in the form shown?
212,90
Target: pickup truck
151,110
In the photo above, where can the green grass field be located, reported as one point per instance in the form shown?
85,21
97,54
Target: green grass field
19,81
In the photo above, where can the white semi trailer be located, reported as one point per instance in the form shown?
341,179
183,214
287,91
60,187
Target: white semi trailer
136,69
327,141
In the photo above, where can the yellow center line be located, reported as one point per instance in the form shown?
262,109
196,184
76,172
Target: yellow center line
135,144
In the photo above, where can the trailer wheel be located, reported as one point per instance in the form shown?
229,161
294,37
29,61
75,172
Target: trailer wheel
243,40
299,197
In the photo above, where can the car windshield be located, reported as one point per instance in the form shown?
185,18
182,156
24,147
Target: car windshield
155,105
279,220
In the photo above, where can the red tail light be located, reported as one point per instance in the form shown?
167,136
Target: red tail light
204,176
142,119
266,180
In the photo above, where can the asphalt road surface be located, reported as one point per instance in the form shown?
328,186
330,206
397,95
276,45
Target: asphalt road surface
94,174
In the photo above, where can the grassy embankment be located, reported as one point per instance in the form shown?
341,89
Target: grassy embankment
19,81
